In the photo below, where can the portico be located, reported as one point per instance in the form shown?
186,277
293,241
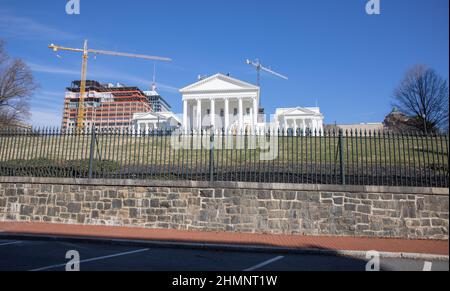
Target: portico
220,103
300,120
150,121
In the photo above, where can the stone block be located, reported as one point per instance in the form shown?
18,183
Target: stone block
129,203
326,195
154,202
350,207
79,197
206,193
338,201
57,188
264,194
194,201
26,210
173,196
11,192
116,204
327,201
74,207
386,204
373,196
46,188
302,196
165,203
95,214
337,211
111,194
364,209
134,212
408,209
179,203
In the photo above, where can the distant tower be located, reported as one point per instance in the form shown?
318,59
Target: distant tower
158,103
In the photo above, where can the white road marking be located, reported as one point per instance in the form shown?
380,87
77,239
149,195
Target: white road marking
265,263
10,243
428,266
91,260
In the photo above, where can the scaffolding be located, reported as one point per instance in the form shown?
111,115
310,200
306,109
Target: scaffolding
107,107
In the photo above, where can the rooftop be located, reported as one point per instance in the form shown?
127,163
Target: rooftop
92,85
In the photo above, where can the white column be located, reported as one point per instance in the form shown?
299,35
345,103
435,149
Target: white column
185,116
295,127
241,114
310,126
255,112
199,115
213,114
303,126
227,115
251,118
314,126
321,127
285,123
316,122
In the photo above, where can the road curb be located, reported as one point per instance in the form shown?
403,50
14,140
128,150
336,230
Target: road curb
220,247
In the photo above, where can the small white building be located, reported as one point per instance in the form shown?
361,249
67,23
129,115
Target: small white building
220,102
145,122
300,119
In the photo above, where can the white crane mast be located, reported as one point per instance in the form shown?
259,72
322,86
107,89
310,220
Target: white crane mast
259,67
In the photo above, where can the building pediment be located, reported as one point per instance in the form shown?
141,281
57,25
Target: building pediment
153,116
219,83
295,111
299,112
146,116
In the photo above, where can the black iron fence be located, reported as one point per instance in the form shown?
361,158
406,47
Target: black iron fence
345,157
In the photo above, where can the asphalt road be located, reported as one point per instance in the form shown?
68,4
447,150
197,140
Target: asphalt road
29,255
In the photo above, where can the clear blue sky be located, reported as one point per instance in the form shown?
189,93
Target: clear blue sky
333,52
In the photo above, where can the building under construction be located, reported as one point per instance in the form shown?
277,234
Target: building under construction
106,106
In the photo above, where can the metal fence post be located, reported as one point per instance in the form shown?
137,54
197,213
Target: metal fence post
211,158
91,153
341,156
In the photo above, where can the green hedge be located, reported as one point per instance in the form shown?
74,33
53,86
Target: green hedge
47,167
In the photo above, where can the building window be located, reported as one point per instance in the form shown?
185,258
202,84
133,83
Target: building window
222,113
235,112
247,111
208,111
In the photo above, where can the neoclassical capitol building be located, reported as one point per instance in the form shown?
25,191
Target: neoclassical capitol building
221,102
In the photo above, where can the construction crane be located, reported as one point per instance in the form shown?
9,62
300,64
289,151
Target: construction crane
85,55
259,67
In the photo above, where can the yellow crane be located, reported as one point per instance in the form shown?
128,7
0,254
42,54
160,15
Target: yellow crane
86,51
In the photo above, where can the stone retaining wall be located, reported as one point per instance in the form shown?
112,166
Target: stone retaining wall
234,207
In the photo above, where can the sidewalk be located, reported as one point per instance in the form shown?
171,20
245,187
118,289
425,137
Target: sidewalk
295,242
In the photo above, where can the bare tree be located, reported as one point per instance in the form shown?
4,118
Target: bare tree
423,96
16,87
